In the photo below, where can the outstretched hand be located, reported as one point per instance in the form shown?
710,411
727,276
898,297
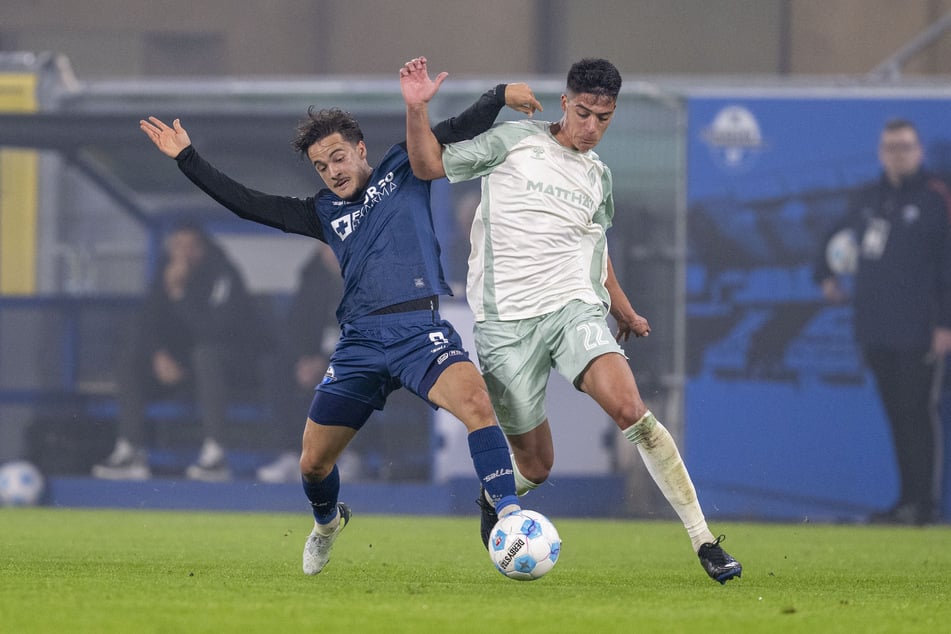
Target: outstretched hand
415,83
520,97
631,324
170,140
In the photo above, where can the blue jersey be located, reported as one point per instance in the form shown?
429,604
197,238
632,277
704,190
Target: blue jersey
385,242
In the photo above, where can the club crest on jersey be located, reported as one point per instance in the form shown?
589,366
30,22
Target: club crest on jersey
343,226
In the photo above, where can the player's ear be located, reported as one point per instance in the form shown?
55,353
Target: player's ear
361,150
564,103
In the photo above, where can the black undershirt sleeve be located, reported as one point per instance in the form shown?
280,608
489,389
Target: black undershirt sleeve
295,215
289,214
474,120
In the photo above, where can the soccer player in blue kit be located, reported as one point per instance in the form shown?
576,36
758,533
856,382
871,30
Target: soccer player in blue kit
378,222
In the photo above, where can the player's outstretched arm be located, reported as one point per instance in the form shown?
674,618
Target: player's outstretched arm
170,140
287,213
425,152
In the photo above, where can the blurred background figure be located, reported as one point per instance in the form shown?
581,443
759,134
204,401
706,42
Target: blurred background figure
306,343
455,253
896,241
196,337
402,430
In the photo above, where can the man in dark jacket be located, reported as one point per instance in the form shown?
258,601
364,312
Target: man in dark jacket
308,339
897,231
196,335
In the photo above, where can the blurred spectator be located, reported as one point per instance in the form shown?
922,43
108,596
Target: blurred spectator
456,254
196,337
896,241
310,334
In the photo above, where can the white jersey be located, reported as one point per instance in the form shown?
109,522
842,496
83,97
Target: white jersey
538,237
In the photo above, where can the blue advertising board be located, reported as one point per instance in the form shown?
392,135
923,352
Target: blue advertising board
782,419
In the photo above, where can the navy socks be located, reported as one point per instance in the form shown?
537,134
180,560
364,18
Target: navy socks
493,465
323,496
490,457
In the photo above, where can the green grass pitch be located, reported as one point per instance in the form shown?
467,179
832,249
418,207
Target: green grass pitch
104,571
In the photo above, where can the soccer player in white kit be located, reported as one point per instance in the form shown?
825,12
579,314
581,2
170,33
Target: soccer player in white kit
541,284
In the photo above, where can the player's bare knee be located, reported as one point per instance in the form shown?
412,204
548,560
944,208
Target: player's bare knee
537,472
541,476
629,413
535,467
313,469
475,411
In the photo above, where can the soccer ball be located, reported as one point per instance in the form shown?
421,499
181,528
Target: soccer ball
842,253
524,545
21,484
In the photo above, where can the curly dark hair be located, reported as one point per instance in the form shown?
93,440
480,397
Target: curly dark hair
594,76
322,123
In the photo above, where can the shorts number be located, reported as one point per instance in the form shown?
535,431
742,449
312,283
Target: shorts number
593,335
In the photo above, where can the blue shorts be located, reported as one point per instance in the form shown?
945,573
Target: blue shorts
377,354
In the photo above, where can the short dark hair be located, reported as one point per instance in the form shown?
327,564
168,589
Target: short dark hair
594,76
320,124
189,226
900,123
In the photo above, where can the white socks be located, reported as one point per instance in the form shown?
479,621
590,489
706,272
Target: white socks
522,484
329,527
662,459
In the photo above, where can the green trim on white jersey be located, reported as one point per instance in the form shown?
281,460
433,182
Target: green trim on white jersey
538,237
